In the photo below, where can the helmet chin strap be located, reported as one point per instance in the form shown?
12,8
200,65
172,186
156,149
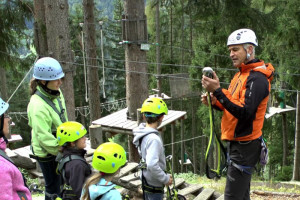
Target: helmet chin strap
49,91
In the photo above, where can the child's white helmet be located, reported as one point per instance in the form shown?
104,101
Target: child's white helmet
47,69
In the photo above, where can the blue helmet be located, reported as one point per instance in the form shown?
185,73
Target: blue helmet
3,106
47,69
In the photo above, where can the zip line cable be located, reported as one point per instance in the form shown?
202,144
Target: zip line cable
22,81
138,72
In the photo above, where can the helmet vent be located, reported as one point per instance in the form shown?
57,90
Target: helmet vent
101,158
116,155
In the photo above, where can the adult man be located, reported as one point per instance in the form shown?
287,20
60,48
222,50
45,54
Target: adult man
244,105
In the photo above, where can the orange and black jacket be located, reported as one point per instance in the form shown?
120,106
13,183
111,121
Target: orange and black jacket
244,104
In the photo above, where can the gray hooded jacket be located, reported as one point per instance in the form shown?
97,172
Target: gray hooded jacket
152,151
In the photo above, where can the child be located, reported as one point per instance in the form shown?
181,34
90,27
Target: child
149,143
12,184
107,159
73,167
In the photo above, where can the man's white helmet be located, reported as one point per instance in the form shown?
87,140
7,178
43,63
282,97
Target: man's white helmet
242,36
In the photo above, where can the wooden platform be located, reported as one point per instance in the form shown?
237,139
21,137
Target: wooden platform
117,122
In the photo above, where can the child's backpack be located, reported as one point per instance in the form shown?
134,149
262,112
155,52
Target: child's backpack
65,188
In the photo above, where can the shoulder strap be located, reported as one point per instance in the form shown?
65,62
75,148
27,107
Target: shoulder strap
3,154
100,196
63,161
50,103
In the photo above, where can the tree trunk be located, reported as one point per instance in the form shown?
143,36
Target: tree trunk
171,35
91,55
40,37
284,140
158,65
136,69
182,37
59,47
296,170
3,87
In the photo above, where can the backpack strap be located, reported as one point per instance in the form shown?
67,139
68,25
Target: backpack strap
100,196
3,154
50,103
63,161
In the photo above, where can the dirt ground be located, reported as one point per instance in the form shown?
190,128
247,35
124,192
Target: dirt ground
260,197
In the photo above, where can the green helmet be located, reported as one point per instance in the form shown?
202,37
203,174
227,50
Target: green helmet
154,105
109,157
70,132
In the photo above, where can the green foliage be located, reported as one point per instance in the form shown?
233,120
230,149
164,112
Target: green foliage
285,174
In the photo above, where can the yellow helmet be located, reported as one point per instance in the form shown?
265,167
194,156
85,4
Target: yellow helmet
70,132
109,157
154,105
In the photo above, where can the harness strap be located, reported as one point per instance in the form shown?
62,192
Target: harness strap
214,140
242,168
50,103
145,186
63,161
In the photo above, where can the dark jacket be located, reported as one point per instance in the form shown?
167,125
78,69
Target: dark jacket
76,171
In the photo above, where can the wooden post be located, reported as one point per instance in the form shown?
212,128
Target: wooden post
133,152
296,171
96,136
172,143
194,135
182,150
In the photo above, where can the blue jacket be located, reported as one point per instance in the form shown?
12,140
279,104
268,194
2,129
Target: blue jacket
106,189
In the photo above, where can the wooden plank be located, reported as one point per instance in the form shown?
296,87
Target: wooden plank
220,197
130,177
189,190
131,123
107,118
35,173
135,183
128,168
15,138
175,116
178,182
10,153
205,194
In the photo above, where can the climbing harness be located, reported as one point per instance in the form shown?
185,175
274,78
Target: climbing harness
142,166
214,140
172,194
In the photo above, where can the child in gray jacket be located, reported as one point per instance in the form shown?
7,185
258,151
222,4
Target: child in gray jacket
150,146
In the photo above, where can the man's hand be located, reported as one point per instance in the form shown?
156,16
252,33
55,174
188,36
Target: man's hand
170,181
205,101
210,84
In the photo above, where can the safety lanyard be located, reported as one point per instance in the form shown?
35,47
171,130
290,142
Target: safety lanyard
61,114
214,140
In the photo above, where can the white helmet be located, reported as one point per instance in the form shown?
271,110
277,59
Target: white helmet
47,69
242,36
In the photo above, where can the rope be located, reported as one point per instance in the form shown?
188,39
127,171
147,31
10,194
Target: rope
22,81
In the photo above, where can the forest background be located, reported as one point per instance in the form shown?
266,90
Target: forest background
193,34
